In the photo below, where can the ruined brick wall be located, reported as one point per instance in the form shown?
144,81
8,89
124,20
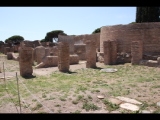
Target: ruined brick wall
16,47
45,44
80,50
125,34
81,39
74,59
32,44
36,43
39,54
6,50
63,56
68,39
9,56
54,50
90,54
47,52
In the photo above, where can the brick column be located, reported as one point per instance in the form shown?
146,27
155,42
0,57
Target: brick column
25,61
63,56
136,52
90,54
107,52
113,52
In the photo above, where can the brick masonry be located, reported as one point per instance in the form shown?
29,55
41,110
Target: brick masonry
39,54
25,61
69,39
63,56
80,50
91,54
125,34
136,52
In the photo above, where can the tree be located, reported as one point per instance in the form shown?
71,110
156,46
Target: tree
14,39
43,40
147,14
98,30
53,35
1,42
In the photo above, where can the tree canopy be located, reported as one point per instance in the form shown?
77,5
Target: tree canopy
14,39
52,36
98,30
1,42
147,14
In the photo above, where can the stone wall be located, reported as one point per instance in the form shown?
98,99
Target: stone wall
80,50
54,50
74,59
39,54
69,40
125,34
82,39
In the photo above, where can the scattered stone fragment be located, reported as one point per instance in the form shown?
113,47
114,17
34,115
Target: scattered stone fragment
7,77
110,70
100,97
115,112
145,111
100,111
82,62
129,100
115,101
129,106
158,104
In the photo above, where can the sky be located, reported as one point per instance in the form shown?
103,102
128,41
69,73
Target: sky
32,23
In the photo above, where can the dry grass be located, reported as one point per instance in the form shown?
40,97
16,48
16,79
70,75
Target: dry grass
77,92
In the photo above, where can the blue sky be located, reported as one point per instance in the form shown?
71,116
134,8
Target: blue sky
34,22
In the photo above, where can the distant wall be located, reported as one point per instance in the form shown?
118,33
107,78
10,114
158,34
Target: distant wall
149,33
83,38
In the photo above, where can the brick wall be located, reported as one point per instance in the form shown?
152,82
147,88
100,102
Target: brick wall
148,33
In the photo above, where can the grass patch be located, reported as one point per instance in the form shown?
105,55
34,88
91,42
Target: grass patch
110,106
38,105
62,99
90,106
57,105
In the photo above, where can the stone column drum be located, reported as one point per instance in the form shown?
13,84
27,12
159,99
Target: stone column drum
63,56
90,54
25,61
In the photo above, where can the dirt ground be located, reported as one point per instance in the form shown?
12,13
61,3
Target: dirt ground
57,102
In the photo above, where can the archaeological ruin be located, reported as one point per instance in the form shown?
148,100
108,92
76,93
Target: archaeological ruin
136,43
